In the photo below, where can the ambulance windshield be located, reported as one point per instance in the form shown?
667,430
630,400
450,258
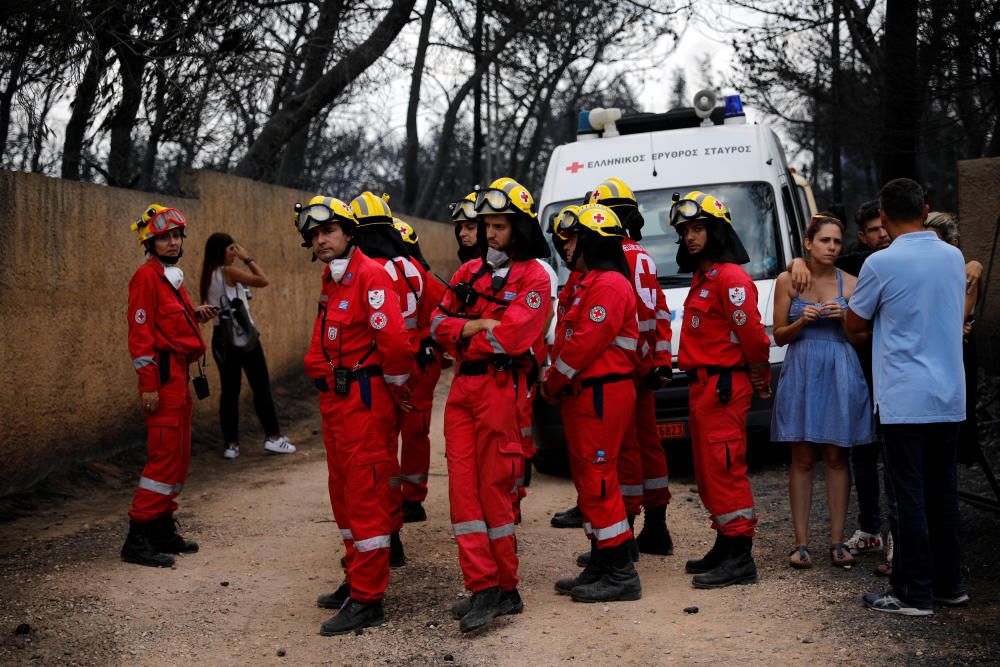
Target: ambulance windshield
755,217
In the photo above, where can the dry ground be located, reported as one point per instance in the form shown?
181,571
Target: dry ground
269,547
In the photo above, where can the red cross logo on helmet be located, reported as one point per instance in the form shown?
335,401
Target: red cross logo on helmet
599,218
524,197
718,204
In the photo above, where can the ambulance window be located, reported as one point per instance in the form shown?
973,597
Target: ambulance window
794,223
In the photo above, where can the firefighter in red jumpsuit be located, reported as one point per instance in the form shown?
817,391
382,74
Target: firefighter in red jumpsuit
654,372
360,361
594,360
415,424
488,320
724,349
163,339
376,236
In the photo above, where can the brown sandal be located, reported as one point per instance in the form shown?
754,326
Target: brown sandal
840,556
804,562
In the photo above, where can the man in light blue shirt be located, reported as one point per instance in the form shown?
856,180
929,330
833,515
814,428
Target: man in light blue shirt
913,295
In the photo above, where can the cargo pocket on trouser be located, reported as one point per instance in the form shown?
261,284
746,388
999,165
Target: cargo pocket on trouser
728,494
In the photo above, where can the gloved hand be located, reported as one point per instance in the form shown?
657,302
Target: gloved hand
659,377
401,396
425,355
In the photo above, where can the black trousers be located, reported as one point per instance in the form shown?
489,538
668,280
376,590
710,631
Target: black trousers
232,364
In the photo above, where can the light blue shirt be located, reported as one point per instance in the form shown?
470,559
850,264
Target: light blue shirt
914,290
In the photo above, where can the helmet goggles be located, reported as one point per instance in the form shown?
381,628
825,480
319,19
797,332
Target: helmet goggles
166,219
463,210
495,200
314,215
697,206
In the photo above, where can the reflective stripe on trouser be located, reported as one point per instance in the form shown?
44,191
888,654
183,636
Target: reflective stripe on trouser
168,451
598,495
654,459
630,470
359,466
524,414
415,427
483,449
718,446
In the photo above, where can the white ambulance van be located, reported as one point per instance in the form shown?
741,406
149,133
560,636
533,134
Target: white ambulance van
711,149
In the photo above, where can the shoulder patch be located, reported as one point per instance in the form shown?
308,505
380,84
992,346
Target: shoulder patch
737,296
534,300
740,317
378,320
140,316
597,313
331,333
695,321
509,296
376,298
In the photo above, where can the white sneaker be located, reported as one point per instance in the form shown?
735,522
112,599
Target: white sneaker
232,451
862,542
279,445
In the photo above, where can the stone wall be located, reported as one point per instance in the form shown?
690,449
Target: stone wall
67,388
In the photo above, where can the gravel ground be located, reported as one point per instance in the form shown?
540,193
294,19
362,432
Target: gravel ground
269,546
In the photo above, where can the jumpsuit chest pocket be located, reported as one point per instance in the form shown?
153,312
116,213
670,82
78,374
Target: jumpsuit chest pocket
172,320
334,324
697,311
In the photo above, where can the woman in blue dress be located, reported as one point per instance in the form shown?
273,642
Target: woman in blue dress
822,403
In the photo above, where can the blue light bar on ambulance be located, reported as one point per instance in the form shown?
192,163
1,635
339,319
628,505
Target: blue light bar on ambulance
584,126
734,110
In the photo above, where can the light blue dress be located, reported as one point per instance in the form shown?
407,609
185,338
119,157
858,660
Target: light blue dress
822,396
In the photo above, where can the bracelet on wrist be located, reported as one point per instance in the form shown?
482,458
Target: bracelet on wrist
248,260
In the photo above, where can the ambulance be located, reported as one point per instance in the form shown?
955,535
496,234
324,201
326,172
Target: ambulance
707,147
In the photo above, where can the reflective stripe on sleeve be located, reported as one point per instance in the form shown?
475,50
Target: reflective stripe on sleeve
663,314
468,527
647,325
518,483
662,346
565,368
142,362
323,298
505,530
627,343
397,380
414,479
631,489
346,534
614,530
733,337
437,322
526,431
497,347
745,513
372,543
159,487
655,483
410,323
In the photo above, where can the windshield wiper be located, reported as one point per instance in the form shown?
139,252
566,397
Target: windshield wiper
675,281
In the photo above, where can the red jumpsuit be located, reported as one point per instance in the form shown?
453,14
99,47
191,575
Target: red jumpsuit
163,338
359,328
415,426
722,329
481,430
654,351
594,358
408,280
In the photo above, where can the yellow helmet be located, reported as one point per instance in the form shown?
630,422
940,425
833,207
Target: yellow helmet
157,220
613,192
505,195
319,211
596,217
405,230
555,221
697,206
371,210
464,210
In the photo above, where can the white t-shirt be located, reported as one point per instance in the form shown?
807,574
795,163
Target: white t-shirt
215,290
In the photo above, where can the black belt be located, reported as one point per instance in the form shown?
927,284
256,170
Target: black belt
714,370
482,366
593,382
352,376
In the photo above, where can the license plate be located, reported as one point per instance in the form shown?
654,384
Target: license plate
671,430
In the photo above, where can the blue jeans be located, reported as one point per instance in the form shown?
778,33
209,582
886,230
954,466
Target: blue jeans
922,475
864,466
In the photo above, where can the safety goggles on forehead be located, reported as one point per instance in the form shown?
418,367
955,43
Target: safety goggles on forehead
166,219
493,199
684,210
463,210
567,225
316,214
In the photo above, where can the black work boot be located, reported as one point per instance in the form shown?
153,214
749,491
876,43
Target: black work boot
484,608
592,571
619,581
736,568
571,518
710,560
510,603
413,511
655,536
166,539
336,599
352,616
139,549
397,557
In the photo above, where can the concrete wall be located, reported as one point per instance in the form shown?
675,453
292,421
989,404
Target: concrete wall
979,216
67,388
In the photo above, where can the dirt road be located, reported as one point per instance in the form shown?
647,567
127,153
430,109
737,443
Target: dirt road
269,547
